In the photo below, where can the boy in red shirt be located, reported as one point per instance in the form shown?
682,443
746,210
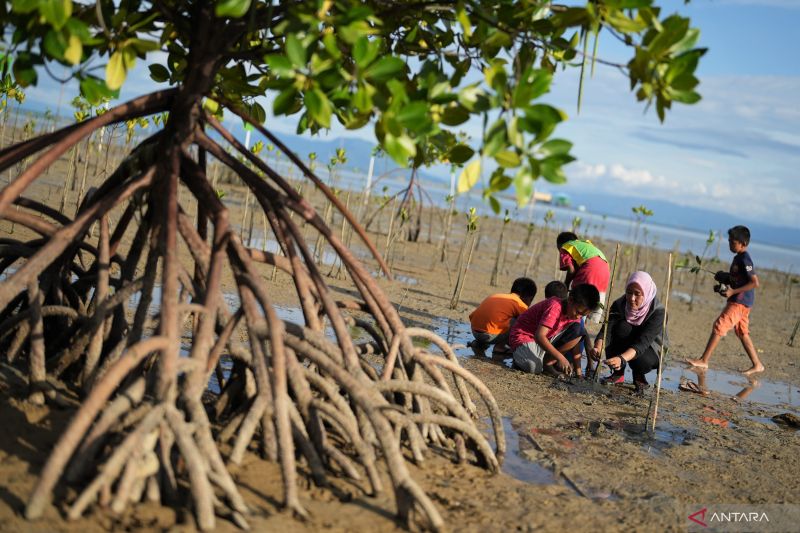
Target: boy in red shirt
547,332
492,319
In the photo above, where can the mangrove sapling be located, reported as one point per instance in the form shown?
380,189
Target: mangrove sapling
698,266
794,332
640,214
528,232
465,255
791,281
391,231
533,255
606,311
496,269
336,265
448,222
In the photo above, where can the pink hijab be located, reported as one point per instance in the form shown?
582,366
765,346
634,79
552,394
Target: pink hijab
645,282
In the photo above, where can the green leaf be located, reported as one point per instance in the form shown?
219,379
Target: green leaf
24,73
115,71
531,86
94,90
454,115
523,186
466,25
231,8
319,107
400,148
551,170
56,12
385,68
257,113
54,44
158,72
675,30
507,159
460,153
414,116
512,131
685,97
286,102
495,139
365,51
555,147
495,204
295,51
469,176
499,181
280,66
24,6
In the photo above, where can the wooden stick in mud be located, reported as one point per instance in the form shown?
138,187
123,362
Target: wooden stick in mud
606,310
661,352
794,333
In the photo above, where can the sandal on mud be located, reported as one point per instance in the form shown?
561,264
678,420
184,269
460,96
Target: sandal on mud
691,386
616,378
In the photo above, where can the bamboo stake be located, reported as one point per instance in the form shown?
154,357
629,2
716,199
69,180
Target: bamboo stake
794,333
661,352
606,311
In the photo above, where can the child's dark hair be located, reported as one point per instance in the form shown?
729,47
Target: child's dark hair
525,288
740,233
586,295
556,288
564,237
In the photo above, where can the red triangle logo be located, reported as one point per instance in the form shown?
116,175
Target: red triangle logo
699,517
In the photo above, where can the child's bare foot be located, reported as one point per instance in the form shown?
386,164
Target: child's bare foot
753,370
697,363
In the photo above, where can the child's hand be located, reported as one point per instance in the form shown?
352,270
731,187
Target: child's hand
727,293
564,366
593,353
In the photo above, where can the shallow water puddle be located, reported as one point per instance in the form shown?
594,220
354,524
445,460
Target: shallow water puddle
655,443
735,385
454,332
516,465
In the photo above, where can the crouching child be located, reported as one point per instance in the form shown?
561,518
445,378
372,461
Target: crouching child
492,319
546,338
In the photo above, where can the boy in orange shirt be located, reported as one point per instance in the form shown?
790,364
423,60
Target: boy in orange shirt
492,319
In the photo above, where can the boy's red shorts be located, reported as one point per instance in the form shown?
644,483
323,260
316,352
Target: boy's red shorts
734,316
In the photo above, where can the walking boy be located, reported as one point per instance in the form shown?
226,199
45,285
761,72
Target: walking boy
545,334
741,296
492,319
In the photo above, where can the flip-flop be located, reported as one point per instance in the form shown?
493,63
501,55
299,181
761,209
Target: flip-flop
691,386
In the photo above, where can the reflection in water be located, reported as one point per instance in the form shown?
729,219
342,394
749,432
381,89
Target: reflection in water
735,385
515,463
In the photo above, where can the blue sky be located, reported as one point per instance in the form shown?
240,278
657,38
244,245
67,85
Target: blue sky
738,150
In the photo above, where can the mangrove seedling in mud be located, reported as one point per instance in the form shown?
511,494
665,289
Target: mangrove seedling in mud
640,214
465,255
500,254
305,397
698,266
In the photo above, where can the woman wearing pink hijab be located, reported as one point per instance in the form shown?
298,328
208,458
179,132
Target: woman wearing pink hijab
635,324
